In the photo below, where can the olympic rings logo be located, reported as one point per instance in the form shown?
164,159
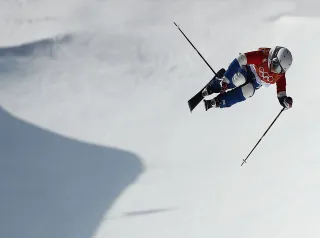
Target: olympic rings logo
265,75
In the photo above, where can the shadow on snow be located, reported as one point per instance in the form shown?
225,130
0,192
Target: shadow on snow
52,186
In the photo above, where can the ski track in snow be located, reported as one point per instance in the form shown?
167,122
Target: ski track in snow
82,83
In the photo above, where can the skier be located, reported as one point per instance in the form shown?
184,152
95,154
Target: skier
247,73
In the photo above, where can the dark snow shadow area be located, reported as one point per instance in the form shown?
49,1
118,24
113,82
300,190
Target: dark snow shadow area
147,212
43,47
52,186
18,60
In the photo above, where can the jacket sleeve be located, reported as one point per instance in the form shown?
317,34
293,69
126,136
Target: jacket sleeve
281,86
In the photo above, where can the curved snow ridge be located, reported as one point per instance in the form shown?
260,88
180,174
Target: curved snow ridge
19,64
26,21
44,46
54,186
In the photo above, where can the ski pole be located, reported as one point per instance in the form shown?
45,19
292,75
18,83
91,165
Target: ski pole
245,160
195,48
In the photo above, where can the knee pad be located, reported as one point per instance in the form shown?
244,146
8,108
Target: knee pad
240,77
247,90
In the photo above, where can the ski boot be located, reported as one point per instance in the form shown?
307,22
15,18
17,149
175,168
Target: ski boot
214,86
215,102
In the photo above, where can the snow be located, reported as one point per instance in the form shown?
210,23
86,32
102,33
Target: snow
97,139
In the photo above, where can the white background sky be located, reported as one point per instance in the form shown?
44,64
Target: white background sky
118,74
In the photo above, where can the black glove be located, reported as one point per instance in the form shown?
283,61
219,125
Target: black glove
285,101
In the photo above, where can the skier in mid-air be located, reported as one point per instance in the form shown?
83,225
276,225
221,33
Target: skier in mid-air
247,73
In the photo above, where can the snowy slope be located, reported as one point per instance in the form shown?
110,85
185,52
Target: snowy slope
118,74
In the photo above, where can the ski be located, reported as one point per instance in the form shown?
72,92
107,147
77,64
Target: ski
196,99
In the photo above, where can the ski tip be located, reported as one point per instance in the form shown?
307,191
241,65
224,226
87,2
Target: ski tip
190,107
206,105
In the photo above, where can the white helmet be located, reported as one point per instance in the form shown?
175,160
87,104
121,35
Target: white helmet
279,59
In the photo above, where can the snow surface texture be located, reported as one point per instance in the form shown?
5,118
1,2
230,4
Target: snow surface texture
97,139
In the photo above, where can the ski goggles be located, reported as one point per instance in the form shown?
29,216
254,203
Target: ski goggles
276,66
275,62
